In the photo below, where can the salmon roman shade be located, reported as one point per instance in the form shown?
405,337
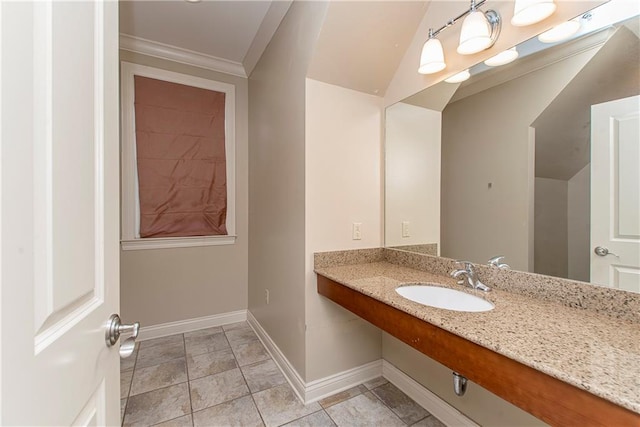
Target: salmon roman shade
180,149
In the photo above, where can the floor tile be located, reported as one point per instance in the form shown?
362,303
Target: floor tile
214,371
279,405
262,375
249,353
200,344
162,341
429,421
129,362
125,383
363,410
203,332
401,404
158,376
215,389
158,405
239,412
149,356
210,363
177,422
376,382
342,396
123,405
317,419
240,336
237,325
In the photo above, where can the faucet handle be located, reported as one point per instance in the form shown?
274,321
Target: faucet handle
465,264
496,261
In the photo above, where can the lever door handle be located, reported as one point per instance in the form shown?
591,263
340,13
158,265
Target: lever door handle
115,328
602,251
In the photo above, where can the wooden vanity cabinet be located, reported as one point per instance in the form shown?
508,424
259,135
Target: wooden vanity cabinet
547,398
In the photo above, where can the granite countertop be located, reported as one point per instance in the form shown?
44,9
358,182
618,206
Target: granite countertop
589,350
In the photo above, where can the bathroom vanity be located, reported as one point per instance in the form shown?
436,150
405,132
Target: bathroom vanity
567,355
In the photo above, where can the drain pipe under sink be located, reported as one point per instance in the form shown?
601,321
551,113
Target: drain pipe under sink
459,384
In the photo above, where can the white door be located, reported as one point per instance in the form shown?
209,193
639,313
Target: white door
59,212
615,193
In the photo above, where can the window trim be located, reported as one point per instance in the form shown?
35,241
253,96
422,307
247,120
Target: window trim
130,212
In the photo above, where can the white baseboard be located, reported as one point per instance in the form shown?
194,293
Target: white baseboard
318,389
289,372
182,326
425,398
324,387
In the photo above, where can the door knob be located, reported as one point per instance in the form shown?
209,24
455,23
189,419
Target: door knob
115,328
602,251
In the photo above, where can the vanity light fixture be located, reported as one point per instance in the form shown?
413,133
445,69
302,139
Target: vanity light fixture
480,31
459,78
529,12
503,58
432,57
560,32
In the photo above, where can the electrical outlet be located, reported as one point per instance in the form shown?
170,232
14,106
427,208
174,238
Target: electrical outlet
405,229
357,231
266,296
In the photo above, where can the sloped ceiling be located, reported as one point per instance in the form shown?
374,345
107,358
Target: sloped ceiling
362,43
563,130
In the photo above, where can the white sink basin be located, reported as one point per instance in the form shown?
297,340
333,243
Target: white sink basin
439,297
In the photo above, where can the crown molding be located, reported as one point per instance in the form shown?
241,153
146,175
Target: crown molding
177,54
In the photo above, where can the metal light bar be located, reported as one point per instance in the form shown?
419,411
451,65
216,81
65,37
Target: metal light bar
451,22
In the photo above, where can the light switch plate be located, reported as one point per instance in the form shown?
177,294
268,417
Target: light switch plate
405,229
357,231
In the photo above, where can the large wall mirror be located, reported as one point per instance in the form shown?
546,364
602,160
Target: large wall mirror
537,160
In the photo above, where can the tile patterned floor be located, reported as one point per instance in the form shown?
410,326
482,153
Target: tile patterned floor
223,376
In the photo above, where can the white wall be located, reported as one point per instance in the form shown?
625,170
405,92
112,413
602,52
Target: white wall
579,225
277,114
166,285
412,174
343,186
550,235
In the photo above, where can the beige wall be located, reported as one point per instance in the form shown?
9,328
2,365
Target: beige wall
343,183
486,139
579,225
167,285
412,174
550,236
277,180
480,405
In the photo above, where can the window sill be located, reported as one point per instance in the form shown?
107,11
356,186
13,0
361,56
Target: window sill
176,242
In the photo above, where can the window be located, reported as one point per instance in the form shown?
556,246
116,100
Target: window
178,159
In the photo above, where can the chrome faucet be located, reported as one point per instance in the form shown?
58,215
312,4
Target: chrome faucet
468,274
496,261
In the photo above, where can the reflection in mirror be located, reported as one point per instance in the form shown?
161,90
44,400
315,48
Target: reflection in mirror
537,160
